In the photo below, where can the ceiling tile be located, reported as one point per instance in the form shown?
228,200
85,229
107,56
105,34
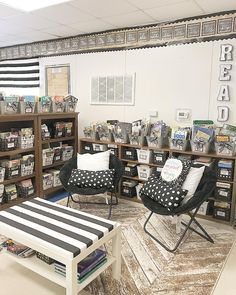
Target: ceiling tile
175,11
211,6
37,36
62,31
144,4
63,14
6,11
13,29
103,8
93,26
15,39
31,21
87,16
130,19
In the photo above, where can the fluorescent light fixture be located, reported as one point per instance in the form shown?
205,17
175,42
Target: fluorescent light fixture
30,5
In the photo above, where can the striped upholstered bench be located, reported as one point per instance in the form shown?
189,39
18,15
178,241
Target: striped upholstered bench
64,234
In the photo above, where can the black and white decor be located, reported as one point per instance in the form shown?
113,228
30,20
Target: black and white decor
68,231
197,29
92,179
23,73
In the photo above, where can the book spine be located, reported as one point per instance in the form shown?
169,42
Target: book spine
81,279
86,268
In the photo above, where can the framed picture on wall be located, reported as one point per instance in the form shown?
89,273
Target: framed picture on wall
57,80
113,89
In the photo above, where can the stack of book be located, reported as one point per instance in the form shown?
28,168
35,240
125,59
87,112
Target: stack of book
85,267
204,161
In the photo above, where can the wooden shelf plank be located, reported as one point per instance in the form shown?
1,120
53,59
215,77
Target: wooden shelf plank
223,180
140,163
17,117
16,152
17,179
58,139
52,116
55,164
217,200
96,141
133,178
166,149
211,155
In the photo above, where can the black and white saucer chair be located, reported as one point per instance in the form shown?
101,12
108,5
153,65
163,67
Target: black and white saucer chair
65,173
203,192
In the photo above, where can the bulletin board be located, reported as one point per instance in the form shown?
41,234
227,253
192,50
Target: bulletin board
57,80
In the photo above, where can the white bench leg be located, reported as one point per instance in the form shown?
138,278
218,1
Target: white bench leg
116,252
71,278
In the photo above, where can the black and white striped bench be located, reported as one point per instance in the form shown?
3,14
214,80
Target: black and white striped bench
62,233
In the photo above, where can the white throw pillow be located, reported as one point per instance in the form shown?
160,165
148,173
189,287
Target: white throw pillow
171,170
95,162
192,181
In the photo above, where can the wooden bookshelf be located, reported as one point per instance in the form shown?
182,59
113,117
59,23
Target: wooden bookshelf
214,156
18,121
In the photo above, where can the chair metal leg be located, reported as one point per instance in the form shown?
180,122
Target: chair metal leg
187,227
109,203
204,235
68,199
110,208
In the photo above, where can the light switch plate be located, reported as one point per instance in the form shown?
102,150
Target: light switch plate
153,113
183,114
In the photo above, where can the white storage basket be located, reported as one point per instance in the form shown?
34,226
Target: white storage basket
144,171
144,156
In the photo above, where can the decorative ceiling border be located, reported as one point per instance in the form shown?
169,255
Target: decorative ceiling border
180,32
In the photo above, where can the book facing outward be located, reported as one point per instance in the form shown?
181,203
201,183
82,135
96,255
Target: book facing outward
85,267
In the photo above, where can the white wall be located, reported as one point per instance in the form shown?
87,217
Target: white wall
167,78
20,91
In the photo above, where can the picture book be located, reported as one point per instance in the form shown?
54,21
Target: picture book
202,133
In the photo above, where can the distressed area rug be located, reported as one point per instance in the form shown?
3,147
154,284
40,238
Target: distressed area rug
148,269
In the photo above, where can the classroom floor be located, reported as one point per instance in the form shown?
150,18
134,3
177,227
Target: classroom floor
18,280
226,281
15,279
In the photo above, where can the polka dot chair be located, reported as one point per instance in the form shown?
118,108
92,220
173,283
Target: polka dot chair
203,192
65,174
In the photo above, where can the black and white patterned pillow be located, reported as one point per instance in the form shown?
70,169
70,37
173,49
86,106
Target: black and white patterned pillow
163,193
92,179
175,171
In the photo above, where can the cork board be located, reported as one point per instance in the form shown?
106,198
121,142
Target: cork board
58,80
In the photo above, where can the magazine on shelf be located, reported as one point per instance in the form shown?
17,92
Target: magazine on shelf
87,264
17,248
